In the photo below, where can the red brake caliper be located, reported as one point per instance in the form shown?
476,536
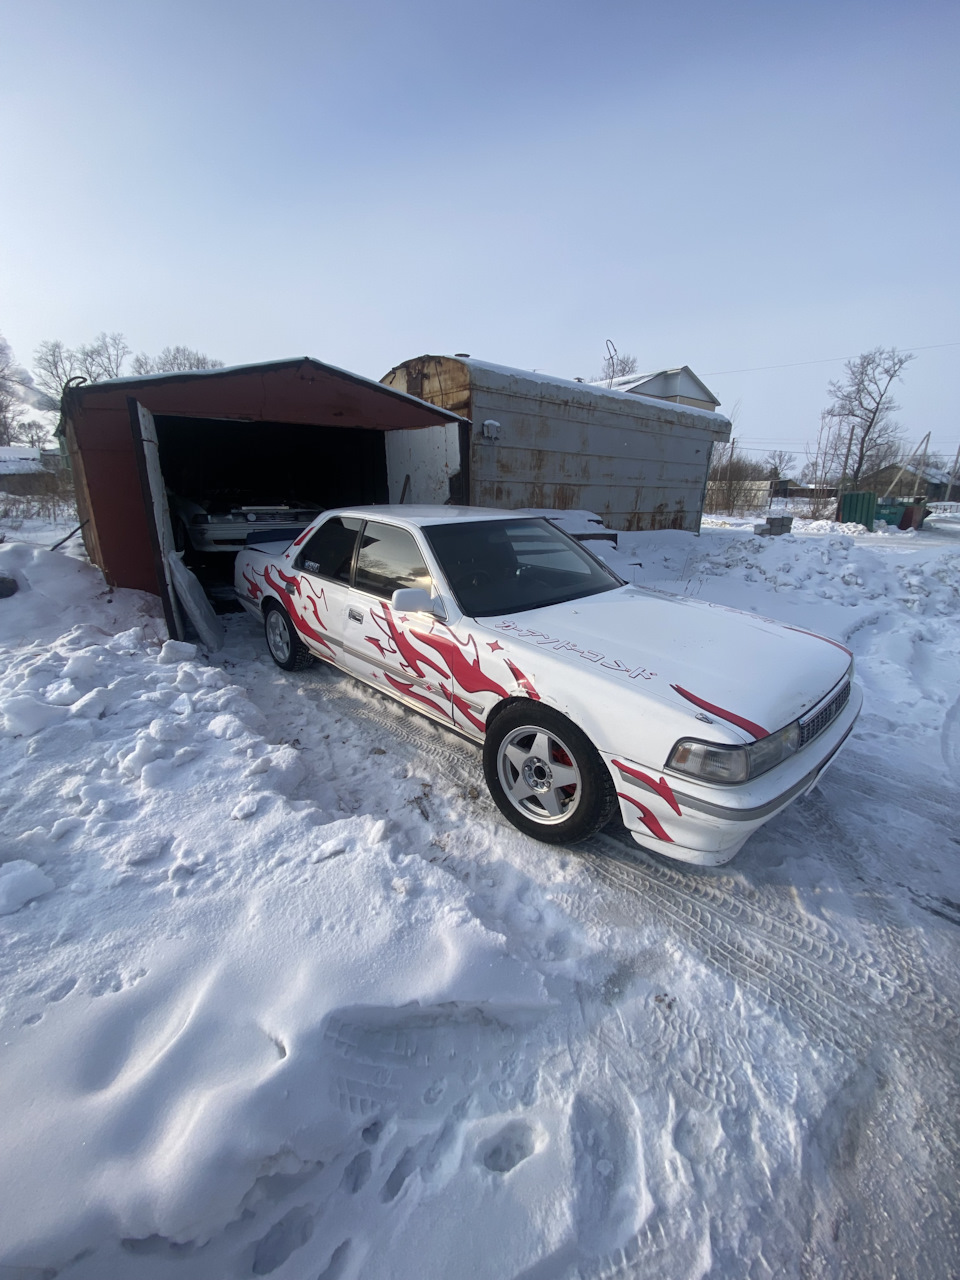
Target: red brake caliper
559,756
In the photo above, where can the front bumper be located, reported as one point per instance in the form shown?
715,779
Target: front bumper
695,822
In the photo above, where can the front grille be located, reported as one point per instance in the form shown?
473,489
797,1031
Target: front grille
811,728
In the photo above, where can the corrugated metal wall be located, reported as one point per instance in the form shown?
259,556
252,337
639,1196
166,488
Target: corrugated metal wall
544,442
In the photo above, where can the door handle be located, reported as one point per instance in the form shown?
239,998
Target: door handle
354,615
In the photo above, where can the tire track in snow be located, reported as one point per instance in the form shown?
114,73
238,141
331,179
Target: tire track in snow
784,957
874,1008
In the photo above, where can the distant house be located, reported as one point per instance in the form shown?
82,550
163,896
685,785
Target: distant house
22,470
912,482
682,386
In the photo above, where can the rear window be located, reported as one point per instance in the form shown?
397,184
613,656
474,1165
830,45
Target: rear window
329,551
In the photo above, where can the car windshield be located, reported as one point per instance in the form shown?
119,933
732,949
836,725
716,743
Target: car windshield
507,566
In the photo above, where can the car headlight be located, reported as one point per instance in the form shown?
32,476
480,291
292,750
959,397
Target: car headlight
712,762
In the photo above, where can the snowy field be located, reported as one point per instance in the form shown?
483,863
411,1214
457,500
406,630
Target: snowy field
282,995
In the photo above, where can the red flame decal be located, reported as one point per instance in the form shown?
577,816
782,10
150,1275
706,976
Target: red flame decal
662,788
292,581
757,730
648,818
406,688
411,656
524,683
816,635
464,708
466,672
316,612
255,588
301,624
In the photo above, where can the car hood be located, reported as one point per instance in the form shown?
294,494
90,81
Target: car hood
744,671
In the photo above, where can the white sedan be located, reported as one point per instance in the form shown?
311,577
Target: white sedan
700,722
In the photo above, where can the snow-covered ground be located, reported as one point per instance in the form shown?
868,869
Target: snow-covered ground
282,995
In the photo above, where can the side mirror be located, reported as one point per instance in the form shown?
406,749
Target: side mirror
415,600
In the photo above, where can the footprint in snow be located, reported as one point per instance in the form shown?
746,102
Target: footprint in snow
514,1143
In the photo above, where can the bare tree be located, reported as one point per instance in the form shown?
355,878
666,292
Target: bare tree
822,470
104,357
11,406
778,464
13,379
735,483
56,365
174,360
615,365
861,412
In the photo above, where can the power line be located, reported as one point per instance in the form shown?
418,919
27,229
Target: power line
798,448
799,364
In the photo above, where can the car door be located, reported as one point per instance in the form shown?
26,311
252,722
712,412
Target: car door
320,589
381,646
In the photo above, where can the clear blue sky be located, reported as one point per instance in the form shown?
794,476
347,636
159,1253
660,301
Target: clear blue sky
721,185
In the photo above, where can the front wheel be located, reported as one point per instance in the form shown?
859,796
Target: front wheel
545,775
286,648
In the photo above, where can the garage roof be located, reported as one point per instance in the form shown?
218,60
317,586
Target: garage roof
303,391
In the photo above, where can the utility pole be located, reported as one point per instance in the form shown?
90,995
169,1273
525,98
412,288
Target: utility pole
953,475
922,445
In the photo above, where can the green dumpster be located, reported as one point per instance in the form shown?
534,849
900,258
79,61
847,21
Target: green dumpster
891,512
859,508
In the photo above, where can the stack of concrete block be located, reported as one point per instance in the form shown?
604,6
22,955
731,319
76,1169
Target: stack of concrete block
774,526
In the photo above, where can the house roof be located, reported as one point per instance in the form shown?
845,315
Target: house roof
20,460
929,473
642,383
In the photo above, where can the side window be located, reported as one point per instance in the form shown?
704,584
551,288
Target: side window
389,558
329,552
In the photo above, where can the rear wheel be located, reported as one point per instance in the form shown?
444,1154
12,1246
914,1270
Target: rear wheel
286,648
546,775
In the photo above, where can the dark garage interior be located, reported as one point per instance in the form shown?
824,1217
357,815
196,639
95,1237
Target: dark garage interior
272,461
225,464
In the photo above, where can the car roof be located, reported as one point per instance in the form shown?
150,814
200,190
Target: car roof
418,516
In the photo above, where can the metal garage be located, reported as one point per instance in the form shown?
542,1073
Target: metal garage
638,461
294,425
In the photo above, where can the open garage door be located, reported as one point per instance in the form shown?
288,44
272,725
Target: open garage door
180,592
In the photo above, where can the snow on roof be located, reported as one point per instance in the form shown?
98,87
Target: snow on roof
930,473
586,390
630,381
19,460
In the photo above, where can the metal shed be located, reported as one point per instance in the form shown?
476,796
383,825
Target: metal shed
538,441
297,423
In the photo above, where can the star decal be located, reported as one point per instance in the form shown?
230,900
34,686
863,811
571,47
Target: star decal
403,618
494,645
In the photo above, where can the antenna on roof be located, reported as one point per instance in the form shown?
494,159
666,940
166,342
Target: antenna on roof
612,357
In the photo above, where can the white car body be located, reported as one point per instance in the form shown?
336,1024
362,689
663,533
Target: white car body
637,671
226,529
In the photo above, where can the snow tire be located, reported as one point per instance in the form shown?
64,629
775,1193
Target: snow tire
286,648
545,775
